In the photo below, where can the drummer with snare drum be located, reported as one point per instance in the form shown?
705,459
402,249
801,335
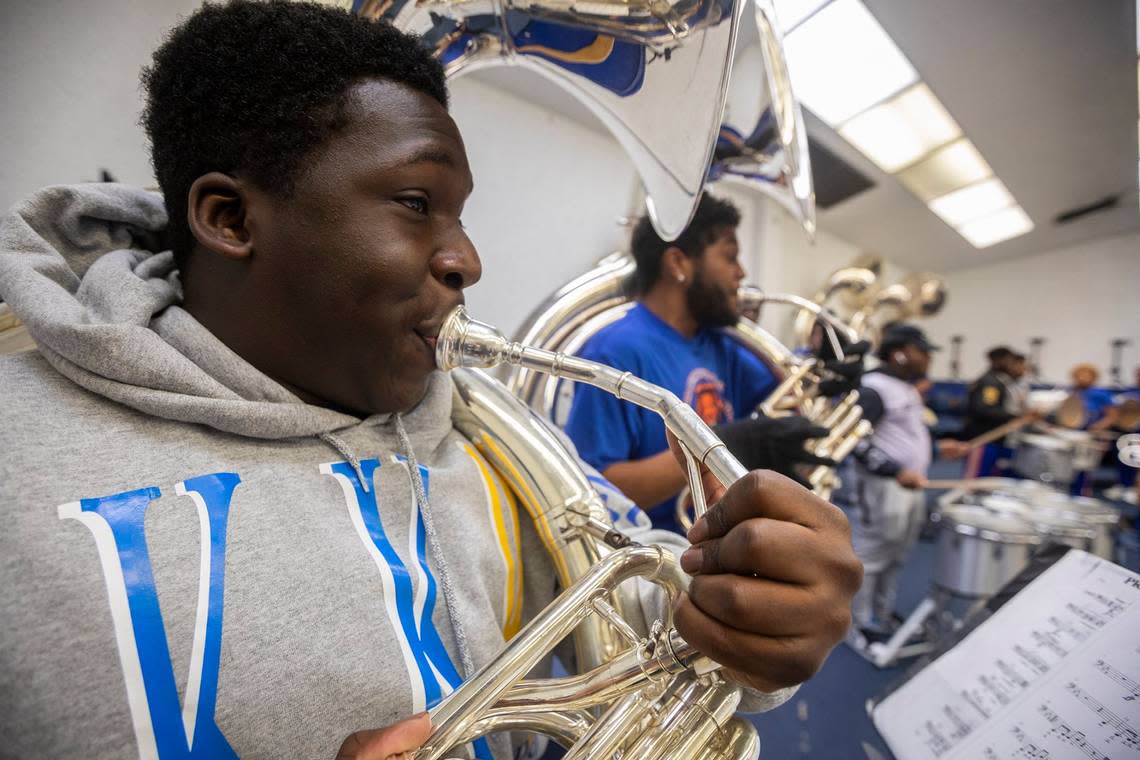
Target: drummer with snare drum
891,469
995,399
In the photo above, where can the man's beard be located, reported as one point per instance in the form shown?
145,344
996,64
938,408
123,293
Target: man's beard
709,305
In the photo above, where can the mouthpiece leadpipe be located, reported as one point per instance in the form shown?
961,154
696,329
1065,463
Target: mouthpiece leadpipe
466,342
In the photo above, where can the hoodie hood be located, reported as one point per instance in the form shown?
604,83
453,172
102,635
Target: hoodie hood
82,267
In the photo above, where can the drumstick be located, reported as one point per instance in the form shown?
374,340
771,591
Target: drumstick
971,484
1001,431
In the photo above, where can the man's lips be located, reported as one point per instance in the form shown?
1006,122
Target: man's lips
428,331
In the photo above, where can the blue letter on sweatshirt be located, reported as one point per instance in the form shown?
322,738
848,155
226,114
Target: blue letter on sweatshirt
163,727
409,603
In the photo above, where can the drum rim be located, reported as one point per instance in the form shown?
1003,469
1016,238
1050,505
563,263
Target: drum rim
1069,530
1094,518
993,536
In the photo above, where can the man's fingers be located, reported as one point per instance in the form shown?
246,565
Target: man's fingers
761,546
809,458
763,493
786,610
771,662
387,743
812,431
775,550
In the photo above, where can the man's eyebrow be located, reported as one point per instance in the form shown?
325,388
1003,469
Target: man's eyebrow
430,154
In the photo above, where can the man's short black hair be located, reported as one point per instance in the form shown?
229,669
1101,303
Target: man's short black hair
648,247
255,87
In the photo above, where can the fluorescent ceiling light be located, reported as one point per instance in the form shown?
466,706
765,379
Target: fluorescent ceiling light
993,229
842,62
792,12
973,202
902,130
947,169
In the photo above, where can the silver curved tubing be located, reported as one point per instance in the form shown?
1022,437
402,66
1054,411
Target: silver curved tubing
456,716
464,342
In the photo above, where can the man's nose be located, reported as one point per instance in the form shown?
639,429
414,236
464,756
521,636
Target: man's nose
457,264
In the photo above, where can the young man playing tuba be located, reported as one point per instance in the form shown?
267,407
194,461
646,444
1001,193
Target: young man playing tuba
238,520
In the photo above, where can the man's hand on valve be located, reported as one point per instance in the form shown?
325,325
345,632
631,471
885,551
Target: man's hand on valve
843,375
773,578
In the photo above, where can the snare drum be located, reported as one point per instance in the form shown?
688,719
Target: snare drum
1064,527
1099,517
979,551
1086,451
1043,457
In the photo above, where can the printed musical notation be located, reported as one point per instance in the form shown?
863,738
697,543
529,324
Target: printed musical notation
1053,675
1124,733
1130,686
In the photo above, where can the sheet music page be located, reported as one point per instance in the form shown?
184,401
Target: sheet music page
1055,673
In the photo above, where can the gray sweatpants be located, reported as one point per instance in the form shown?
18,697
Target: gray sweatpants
885,524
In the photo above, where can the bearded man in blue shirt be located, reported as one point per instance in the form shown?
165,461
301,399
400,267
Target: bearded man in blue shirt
685,291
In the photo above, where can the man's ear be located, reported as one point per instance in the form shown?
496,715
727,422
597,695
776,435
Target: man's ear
676,265
217,215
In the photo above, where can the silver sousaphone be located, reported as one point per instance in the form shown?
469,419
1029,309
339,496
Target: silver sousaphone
656,74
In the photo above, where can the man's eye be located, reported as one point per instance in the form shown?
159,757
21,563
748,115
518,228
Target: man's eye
419,205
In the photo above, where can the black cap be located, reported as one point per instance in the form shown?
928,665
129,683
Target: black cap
897,335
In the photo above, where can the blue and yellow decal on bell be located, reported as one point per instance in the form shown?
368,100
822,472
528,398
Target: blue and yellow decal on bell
164,728
607,62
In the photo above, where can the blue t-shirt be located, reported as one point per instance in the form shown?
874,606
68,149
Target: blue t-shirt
712,372
1096,400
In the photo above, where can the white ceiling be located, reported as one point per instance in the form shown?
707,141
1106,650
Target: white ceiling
1047,91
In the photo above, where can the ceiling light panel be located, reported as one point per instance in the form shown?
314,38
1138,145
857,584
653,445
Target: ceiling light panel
842,62
996,228
902,130
973,202
947,169
792,12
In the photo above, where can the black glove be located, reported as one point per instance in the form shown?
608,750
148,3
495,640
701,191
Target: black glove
842,376
773,443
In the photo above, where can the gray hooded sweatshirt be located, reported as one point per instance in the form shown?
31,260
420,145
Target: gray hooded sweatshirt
194,562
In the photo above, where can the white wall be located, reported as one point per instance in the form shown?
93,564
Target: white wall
548,195
69,82
1078,298
780,258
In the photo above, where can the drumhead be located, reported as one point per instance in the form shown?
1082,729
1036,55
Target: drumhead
1002,504
1041,441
